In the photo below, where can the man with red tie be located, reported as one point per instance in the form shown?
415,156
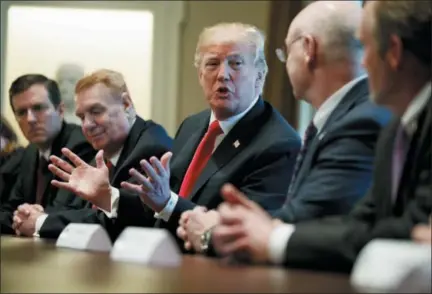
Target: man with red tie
240,139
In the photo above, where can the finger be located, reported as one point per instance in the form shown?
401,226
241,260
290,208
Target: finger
133,188
422,234
60,163
59,173
73,157
224,233
188,245
17,221
38,207
24,209
157,166
18,233
230,215
236,246
142,180
149,170
181,233
200,209
232,195
100,162
165,160
64,185
184,217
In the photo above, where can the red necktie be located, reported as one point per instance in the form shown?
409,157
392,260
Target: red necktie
110,167
201,156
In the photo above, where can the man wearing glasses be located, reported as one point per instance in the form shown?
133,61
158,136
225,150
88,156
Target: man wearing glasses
334,167
39,111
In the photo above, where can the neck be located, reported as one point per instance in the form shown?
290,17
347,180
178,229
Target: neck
329,80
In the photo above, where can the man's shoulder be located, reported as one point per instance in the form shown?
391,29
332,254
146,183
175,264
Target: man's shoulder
151,133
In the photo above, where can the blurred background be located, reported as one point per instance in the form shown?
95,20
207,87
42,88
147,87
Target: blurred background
151,42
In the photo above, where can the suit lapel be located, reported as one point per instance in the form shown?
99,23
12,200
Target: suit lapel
236,140
356,94
181,161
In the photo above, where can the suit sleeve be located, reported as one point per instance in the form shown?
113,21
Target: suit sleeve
340,176
7,208
334,243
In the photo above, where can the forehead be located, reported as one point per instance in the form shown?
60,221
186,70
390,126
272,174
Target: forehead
33,95
226,49
98,93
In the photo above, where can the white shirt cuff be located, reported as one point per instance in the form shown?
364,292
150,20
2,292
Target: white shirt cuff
39,223
278,242
115,196
166,213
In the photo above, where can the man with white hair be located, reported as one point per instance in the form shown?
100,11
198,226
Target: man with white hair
334,168
240,139
397,40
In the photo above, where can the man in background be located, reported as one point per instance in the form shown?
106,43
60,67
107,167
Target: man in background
38,108
397,40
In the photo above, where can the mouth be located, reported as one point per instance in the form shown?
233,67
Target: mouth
223,91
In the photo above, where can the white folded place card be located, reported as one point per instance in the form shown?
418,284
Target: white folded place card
149,246
383,264
91,237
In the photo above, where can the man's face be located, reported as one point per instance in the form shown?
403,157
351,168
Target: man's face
37,117
229,78
296,65
104,120
379,71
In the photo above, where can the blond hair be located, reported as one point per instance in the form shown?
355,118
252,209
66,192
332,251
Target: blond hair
234,33
111,79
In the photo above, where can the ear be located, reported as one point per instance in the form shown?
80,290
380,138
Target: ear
61,109
259,82
126,100
310,50
394,53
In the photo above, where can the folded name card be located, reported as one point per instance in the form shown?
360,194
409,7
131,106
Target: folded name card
91,237
383,264
149,246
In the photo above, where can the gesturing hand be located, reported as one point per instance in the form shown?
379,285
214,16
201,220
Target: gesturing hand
154,190
88,182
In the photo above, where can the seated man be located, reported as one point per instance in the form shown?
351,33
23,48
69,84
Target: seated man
334,167
241,139
397,39
38,109
110,125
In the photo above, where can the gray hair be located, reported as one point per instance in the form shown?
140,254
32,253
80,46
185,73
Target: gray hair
234,33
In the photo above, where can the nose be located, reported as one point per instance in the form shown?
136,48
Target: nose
31,118
87,122
224,72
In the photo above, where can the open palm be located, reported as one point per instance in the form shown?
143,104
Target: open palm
88,182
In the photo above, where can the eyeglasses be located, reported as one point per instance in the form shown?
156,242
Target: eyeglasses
281,52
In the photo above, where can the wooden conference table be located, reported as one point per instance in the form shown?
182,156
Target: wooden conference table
29,265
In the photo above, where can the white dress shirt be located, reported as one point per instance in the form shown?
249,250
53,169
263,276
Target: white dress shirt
41,219
166,212
281,234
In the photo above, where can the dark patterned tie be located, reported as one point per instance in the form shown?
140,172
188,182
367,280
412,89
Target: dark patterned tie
310,134
40,182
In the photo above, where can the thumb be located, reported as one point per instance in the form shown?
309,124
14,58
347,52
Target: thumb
100,162
38,207
165,160
233,196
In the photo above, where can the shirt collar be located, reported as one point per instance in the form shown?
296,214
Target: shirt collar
326,109
46,153
228,124
414,109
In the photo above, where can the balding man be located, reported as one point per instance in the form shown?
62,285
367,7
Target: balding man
397,40
334,167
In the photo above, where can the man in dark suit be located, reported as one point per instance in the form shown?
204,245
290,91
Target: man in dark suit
398,60
240,139
38,109
334,167
110,124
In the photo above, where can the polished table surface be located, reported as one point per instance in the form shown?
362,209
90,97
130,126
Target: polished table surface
29,265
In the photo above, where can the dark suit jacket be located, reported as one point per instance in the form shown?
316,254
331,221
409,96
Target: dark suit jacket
146,139
261,166
10,166
334,243
337,169
24,190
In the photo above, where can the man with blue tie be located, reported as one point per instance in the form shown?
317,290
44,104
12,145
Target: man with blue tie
397,40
